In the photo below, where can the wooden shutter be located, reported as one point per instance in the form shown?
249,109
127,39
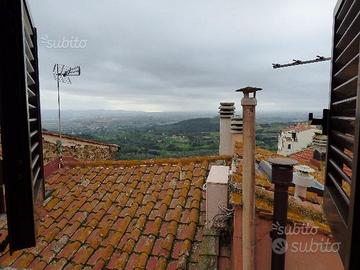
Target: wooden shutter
20,123
342,194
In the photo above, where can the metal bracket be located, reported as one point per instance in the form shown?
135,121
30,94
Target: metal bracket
323,122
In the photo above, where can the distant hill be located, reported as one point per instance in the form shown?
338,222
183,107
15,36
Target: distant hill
195,125
152,137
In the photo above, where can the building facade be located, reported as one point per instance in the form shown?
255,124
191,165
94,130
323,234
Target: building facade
296,138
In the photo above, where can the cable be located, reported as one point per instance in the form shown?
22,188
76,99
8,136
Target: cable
219,221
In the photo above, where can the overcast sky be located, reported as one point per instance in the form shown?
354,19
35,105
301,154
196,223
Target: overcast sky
184,55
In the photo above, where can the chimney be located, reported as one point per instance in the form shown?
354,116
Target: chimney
216,195
226,111
248,103
302,180
319,145
236,132
281,176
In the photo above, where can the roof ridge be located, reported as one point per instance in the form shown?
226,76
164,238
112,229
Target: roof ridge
50,133
163,161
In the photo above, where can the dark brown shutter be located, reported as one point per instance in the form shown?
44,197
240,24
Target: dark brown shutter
20,123
342,194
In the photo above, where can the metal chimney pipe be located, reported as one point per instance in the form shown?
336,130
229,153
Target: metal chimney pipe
248,182
282,175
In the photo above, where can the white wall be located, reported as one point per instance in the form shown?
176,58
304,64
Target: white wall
303,140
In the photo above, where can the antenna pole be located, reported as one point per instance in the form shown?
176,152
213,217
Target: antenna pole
62,75
59,114
59,104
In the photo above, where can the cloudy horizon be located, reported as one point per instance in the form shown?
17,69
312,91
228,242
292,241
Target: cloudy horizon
184,56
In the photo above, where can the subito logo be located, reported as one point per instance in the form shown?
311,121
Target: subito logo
280,246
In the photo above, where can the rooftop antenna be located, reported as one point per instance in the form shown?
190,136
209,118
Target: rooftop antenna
297,62
322,121
62,74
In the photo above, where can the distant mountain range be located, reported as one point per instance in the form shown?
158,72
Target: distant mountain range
189,126
138,118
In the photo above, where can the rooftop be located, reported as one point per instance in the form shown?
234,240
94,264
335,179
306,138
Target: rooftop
72,140
299,127
120,215
307,211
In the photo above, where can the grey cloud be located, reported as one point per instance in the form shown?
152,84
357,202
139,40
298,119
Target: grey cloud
187,55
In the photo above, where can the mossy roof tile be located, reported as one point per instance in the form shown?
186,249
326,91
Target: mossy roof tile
112,215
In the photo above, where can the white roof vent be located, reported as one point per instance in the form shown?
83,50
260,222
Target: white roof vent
216,193
302,180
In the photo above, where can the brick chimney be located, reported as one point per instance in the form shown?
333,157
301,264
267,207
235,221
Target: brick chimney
226,111
236,131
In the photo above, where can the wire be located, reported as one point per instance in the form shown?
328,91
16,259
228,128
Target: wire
235,187
219,221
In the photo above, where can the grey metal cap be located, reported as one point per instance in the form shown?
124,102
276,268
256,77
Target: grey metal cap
279,161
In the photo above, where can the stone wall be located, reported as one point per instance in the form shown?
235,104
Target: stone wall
78,148
79,151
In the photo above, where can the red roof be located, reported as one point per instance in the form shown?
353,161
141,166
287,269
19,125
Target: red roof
141,215
299,128
304,156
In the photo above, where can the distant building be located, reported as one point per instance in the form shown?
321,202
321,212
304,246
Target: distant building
296,138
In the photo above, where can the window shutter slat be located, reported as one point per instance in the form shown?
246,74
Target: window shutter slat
340,197
21,124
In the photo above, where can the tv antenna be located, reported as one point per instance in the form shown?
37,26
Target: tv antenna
297,62
62,74
313,121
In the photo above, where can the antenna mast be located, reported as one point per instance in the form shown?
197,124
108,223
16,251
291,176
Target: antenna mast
301,62
61,74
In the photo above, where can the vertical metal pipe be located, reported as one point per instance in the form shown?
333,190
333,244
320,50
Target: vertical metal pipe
248,180
58,98
59,116
282,175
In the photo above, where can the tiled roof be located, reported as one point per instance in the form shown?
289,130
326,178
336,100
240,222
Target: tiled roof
304,156
299,127
308,211
126,216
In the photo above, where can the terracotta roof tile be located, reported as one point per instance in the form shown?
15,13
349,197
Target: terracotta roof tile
69,250
298,211
38,264
304,156
56,264
83,254
24,260
101,254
